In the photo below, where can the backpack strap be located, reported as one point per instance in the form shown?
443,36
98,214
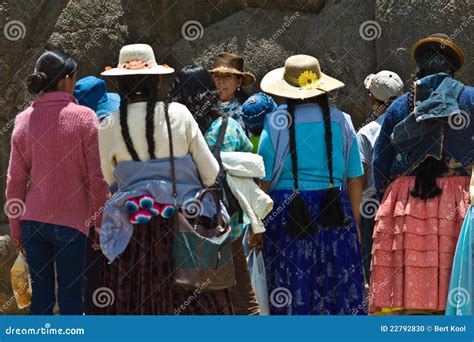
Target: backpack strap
170,142
220,139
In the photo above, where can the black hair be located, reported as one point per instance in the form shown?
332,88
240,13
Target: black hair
129,88
332,210
323,102
50,68
432,61
241,94
429,62
193,87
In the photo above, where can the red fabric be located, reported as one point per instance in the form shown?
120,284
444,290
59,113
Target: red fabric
414,244
55,165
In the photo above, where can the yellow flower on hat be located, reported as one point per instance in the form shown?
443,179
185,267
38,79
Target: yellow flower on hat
308,80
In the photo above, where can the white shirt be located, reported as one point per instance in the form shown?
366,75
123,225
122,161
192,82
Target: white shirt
367,136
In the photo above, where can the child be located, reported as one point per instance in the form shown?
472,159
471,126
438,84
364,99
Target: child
255,109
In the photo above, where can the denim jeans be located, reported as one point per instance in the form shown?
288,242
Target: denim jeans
95,262
46,245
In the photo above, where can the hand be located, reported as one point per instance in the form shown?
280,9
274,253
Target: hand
359,234
254,240
18,244
95,245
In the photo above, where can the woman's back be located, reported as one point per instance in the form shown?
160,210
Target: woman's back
55,158
185,133
313,171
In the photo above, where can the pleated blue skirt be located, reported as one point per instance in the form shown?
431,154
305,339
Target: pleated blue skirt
321,274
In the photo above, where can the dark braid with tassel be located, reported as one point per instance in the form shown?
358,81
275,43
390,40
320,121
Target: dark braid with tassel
124,126
292,133
151,94
427,171
300,222
130,87
323,101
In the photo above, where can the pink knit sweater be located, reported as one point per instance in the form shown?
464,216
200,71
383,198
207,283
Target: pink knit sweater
54,174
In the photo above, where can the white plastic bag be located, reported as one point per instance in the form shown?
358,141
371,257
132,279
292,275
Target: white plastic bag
21,283
259,280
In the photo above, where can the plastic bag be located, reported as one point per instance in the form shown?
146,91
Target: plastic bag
21,283
259,280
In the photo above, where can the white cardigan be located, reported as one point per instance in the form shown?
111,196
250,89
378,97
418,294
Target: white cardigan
187,138
241,168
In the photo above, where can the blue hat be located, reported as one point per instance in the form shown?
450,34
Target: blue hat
91,92
256,108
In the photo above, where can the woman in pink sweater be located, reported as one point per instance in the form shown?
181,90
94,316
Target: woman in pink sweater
55,188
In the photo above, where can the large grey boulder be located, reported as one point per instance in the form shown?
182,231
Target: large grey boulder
267,37
402,23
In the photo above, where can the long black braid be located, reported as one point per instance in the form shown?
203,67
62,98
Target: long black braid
130,87
124,126
294,157
427,171
151,94
332,213
323,101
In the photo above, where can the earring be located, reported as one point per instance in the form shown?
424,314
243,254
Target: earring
238,88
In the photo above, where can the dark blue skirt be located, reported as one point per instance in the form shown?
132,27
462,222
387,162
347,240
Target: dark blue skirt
317,275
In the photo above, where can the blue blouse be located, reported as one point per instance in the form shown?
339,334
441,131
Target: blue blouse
313,173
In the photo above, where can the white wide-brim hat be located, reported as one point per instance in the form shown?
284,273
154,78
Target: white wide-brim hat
300,78
137,59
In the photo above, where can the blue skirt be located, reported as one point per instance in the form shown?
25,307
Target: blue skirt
317,275
461,288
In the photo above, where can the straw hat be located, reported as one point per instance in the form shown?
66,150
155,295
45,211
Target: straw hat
441,42
229,63
300,78
137,59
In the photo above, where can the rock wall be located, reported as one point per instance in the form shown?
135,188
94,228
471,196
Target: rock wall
352,38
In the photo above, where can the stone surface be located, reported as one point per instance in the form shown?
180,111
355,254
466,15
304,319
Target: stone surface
311,6
404,22
267,37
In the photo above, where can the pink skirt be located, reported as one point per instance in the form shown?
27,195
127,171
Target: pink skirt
414,243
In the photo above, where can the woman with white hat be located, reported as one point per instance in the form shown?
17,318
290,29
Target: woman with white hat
312,164
135,146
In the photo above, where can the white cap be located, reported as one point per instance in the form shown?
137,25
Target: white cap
385,85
